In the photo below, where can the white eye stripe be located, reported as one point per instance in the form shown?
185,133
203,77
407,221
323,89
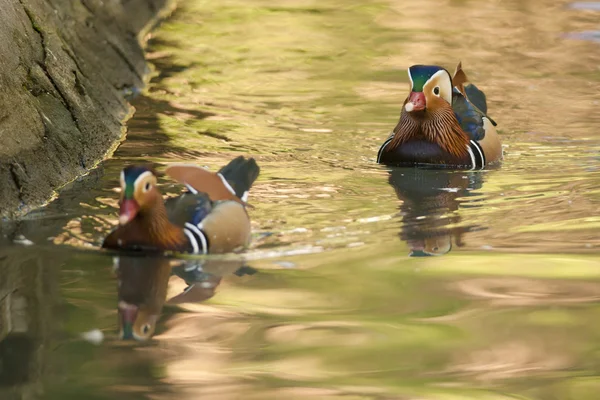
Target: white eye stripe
446,95
412,84
141,178
441,72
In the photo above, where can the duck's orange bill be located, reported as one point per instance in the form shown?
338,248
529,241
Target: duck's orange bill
418,101
128,211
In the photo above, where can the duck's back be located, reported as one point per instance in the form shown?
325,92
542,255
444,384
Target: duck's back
469,115
188,208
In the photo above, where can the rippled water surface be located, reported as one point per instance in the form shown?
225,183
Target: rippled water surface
338,298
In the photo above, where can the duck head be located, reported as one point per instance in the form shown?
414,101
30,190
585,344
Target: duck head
141,293
430,89
138,192
136,322
428,117
431,246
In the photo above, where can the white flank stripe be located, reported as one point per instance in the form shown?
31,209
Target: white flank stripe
204,244
472,156
245,197
193,228
383,147
200,235
227,185
192,239
480,153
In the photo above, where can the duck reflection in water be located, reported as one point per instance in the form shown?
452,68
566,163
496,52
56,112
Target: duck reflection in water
430,199
143,283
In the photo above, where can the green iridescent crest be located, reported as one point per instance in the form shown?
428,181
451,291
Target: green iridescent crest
420,74
131,174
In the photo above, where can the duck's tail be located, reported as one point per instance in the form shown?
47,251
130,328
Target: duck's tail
470,91
232,182
241,173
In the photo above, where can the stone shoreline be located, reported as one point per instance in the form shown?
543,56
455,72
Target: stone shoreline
66,70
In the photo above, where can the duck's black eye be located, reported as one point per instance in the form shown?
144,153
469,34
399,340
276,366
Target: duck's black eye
147,186
146,329
436,90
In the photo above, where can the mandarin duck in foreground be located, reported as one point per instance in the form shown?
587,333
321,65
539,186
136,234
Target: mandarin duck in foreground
143,282
142,291
444,122
210,218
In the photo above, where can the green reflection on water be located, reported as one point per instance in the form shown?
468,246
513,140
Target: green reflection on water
337,309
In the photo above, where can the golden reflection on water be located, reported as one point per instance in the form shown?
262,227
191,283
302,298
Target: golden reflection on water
311,90
338,309
315,115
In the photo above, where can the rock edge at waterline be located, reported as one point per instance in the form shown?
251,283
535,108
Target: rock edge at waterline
65,70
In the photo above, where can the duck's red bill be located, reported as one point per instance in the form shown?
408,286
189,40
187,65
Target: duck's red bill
418,101
128,211
127,314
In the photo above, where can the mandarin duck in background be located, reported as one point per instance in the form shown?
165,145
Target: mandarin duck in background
444,122
210,218
430,200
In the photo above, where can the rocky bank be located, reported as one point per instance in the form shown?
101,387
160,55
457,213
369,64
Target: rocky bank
66,68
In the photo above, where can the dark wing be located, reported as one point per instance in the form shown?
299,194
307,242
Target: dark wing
469,103
476,97
468,115
188,208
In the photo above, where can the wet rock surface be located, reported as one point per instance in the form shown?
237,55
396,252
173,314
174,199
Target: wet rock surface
66,69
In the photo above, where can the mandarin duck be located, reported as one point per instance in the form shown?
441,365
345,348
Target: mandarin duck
443,122
430,200
210,217
143,282
142,291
